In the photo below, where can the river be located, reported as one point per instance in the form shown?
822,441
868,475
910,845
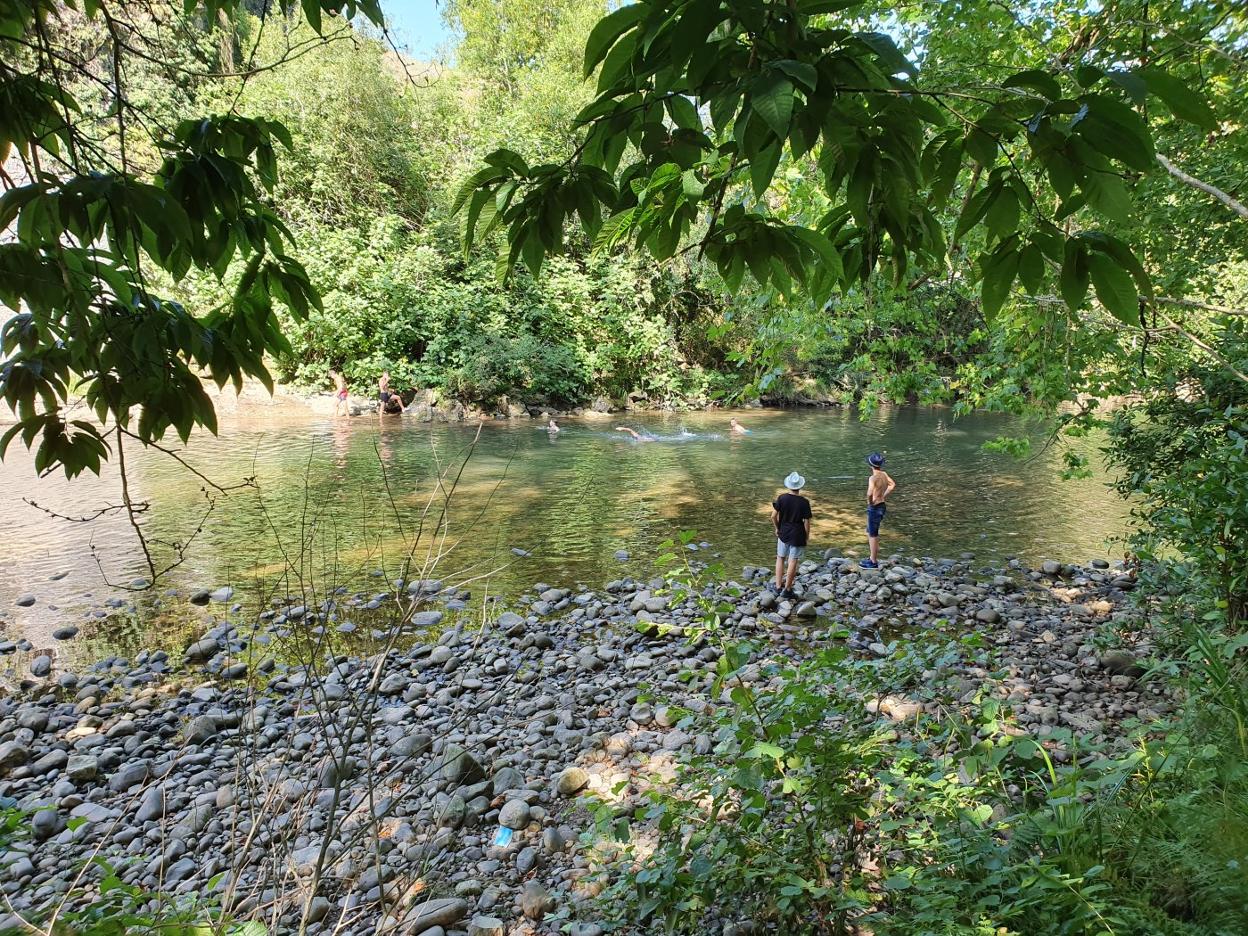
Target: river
343,501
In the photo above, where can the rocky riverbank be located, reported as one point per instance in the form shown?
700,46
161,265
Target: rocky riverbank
441,786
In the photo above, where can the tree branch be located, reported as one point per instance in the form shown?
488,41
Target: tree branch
1236,206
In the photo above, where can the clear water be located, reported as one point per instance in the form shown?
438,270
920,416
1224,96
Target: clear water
350,495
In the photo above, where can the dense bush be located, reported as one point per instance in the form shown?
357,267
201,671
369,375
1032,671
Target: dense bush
1182,454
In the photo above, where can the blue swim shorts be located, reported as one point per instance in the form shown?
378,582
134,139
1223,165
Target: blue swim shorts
875,516
785,551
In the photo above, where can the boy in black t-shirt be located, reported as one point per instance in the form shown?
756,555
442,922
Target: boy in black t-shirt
790,515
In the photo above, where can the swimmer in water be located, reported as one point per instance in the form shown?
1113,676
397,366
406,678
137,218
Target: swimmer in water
552,427
635,434
736,427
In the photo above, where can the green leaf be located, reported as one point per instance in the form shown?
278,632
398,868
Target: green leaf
1132,83
608,30
1031,268
312,12
1114,288
1116,130
508,159
772,99
1088,75
684,113
891,60
613,230
1123,256
802,72
981,147
1074,279
533,252
1107,194
1000,269
1178,95
765,749
473,183
763,168
1001,218
617,62
1035,80
975,209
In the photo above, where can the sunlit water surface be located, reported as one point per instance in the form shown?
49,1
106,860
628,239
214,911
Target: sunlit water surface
348,497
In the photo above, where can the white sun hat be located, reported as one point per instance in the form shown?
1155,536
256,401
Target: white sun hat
794,482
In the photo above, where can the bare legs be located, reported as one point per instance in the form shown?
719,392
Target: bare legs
874,543
785,582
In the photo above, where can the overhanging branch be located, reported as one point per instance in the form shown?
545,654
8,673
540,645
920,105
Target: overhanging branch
1235,205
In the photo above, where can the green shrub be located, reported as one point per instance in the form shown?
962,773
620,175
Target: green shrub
1183,458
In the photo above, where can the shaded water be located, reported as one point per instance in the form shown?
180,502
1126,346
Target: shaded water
350,494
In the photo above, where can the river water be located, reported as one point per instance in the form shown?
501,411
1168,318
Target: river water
350,500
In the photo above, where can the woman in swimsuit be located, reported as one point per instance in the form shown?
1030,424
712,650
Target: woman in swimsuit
341,393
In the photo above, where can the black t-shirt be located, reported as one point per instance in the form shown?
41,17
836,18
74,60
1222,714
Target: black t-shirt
793,509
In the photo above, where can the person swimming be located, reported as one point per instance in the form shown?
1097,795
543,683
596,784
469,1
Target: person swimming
736,428
552,427
637,436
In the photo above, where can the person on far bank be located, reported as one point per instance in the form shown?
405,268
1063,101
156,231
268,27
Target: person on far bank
879,486
790,516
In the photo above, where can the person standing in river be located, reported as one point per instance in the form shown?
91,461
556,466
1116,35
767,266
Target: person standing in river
340,393
387,400
790,517
879,486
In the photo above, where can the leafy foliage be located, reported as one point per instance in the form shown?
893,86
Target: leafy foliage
90,231
710,94
1183,459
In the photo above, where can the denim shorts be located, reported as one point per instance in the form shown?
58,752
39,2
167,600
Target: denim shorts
875,516
785,551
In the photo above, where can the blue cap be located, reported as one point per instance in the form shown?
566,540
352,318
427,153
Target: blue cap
875,460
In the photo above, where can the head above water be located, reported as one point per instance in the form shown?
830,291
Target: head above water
794,482
875,460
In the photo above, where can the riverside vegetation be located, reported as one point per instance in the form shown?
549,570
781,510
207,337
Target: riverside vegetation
1031,209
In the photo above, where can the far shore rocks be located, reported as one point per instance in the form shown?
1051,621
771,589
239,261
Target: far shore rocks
440,785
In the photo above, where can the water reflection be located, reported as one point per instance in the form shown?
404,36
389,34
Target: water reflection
356,492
